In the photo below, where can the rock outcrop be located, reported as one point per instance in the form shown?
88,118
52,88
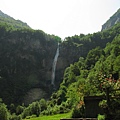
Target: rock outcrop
112,21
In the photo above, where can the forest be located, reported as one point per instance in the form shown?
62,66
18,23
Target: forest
88,65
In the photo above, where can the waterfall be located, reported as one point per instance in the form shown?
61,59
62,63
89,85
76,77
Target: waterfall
54,65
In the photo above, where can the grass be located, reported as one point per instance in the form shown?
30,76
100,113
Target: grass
52,117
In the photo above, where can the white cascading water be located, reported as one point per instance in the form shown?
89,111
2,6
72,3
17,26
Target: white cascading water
54,65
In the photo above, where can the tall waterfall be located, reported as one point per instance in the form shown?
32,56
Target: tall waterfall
54,65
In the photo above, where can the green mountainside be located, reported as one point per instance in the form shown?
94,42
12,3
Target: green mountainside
26,58
91,76
88,65
4,18
112,21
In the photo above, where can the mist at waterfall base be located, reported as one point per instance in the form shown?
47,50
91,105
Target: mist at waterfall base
54,66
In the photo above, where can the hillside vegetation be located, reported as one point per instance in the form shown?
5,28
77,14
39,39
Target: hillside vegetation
16,24
26,56
88,65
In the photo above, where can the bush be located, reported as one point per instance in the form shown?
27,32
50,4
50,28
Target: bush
19,109
32,109
4,114
101,117
78,111
103,104
43,104
15,117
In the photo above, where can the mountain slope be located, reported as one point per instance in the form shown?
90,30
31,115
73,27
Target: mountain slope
112,21
4,18
26,58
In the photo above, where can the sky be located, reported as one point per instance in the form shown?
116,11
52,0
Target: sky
62,17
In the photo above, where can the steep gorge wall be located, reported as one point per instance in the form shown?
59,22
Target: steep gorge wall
26,58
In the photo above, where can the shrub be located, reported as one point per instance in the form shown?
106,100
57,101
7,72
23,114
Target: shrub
101,117
103,104
4,114
15,117
78,111
19,109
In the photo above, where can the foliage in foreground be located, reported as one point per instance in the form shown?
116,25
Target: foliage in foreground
101,117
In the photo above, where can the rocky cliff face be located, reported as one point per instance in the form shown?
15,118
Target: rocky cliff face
26,58
112,21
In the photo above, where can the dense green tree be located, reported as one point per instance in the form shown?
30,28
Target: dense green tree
43,104
19,109
4,113
92,57
12,108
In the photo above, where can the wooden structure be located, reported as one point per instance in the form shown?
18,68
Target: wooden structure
92,108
